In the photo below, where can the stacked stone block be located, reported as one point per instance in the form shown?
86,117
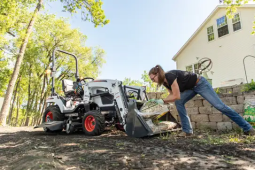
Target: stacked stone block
203,115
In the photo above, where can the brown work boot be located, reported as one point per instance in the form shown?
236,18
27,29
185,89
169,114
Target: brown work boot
184,134
250,132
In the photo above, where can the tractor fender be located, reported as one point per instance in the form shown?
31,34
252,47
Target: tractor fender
57,101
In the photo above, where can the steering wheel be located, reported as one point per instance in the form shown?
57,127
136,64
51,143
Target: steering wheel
132,92
86,78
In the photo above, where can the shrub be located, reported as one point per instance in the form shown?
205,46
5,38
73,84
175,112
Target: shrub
249,86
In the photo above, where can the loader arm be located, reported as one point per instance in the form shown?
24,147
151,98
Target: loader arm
114,88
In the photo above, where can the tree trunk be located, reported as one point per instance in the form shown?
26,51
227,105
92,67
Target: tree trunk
28,94
42,95
12,106
7,98
27,121
15,93
39,120
34,109
29,108
17,116
34,121
41,102
44,106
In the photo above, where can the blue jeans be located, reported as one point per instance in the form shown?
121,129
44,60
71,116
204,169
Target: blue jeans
207,92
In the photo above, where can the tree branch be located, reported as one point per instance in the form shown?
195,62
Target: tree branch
11,34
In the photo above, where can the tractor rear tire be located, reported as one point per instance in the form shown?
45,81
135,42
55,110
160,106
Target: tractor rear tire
52,113
93,123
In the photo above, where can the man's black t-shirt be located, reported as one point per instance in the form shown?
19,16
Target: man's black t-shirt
186,80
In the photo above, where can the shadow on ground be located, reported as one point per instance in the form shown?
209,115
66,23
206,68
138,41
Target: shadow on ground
26,148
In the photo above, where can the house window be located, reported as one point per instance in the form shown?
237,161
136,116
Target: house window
189,68
222,26
236,22
196,68
192,68
210,33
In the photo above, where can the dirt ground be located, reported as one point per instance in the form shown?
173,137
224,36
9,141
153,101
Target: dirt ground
27,148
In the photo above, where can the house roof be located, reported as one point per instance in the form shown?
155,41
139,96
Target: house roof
203,24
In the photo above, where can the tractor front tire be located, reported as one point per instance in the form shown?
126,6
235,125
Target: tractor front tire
52,113
93,123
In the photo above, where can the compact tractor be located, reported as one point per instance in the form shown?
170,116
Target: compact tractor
91,105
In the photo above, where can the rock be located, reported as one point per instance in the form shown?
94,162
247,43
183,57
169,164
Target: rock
224,126
200,118
240,99
205,110
216,117
205,125
192,110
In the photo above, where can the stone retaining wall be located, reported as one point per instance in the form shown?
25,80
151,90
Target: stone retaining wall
203,115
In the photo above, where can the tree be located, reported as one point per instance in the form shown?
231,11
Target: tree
129,82
49,33
98,18
233,6
7,98
145,81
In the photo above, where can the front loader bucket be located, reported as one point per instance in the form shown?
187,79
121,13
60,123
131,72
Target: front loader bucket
52,126
138,126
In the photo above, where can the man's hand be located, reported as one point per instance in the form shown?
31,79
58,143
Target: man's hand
158,101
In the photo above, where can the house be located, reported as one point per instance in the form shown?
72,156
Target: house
226,42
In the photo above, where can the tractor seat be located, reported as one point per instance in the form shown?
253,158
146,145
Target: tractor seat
67,86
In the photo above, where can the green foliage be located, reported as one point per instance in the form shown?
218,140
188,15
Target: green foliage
223,139
145,81
249,111
49,32
249,86
11,12
233,7
5,73
217,90
151,86
165,136
128,81
92,8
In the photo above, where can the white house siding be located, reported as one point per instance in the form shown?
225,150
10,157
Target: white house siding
226,52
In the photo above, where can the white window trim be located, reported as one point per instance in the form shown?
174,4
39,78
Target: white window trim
193,68
236,22
210,33
222,26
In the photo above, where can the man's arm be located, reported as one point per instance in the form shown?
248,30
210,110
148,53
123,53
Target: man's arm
174,94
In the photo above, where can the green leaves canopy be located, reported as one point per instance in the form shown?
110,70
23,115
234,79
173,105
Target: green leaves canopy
90,9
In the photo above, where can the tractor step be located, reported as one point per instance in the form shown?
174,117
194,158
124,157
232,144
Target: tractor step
54,125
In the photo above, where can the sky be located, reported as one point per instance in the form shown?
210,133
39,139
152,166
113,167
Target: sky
141,33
